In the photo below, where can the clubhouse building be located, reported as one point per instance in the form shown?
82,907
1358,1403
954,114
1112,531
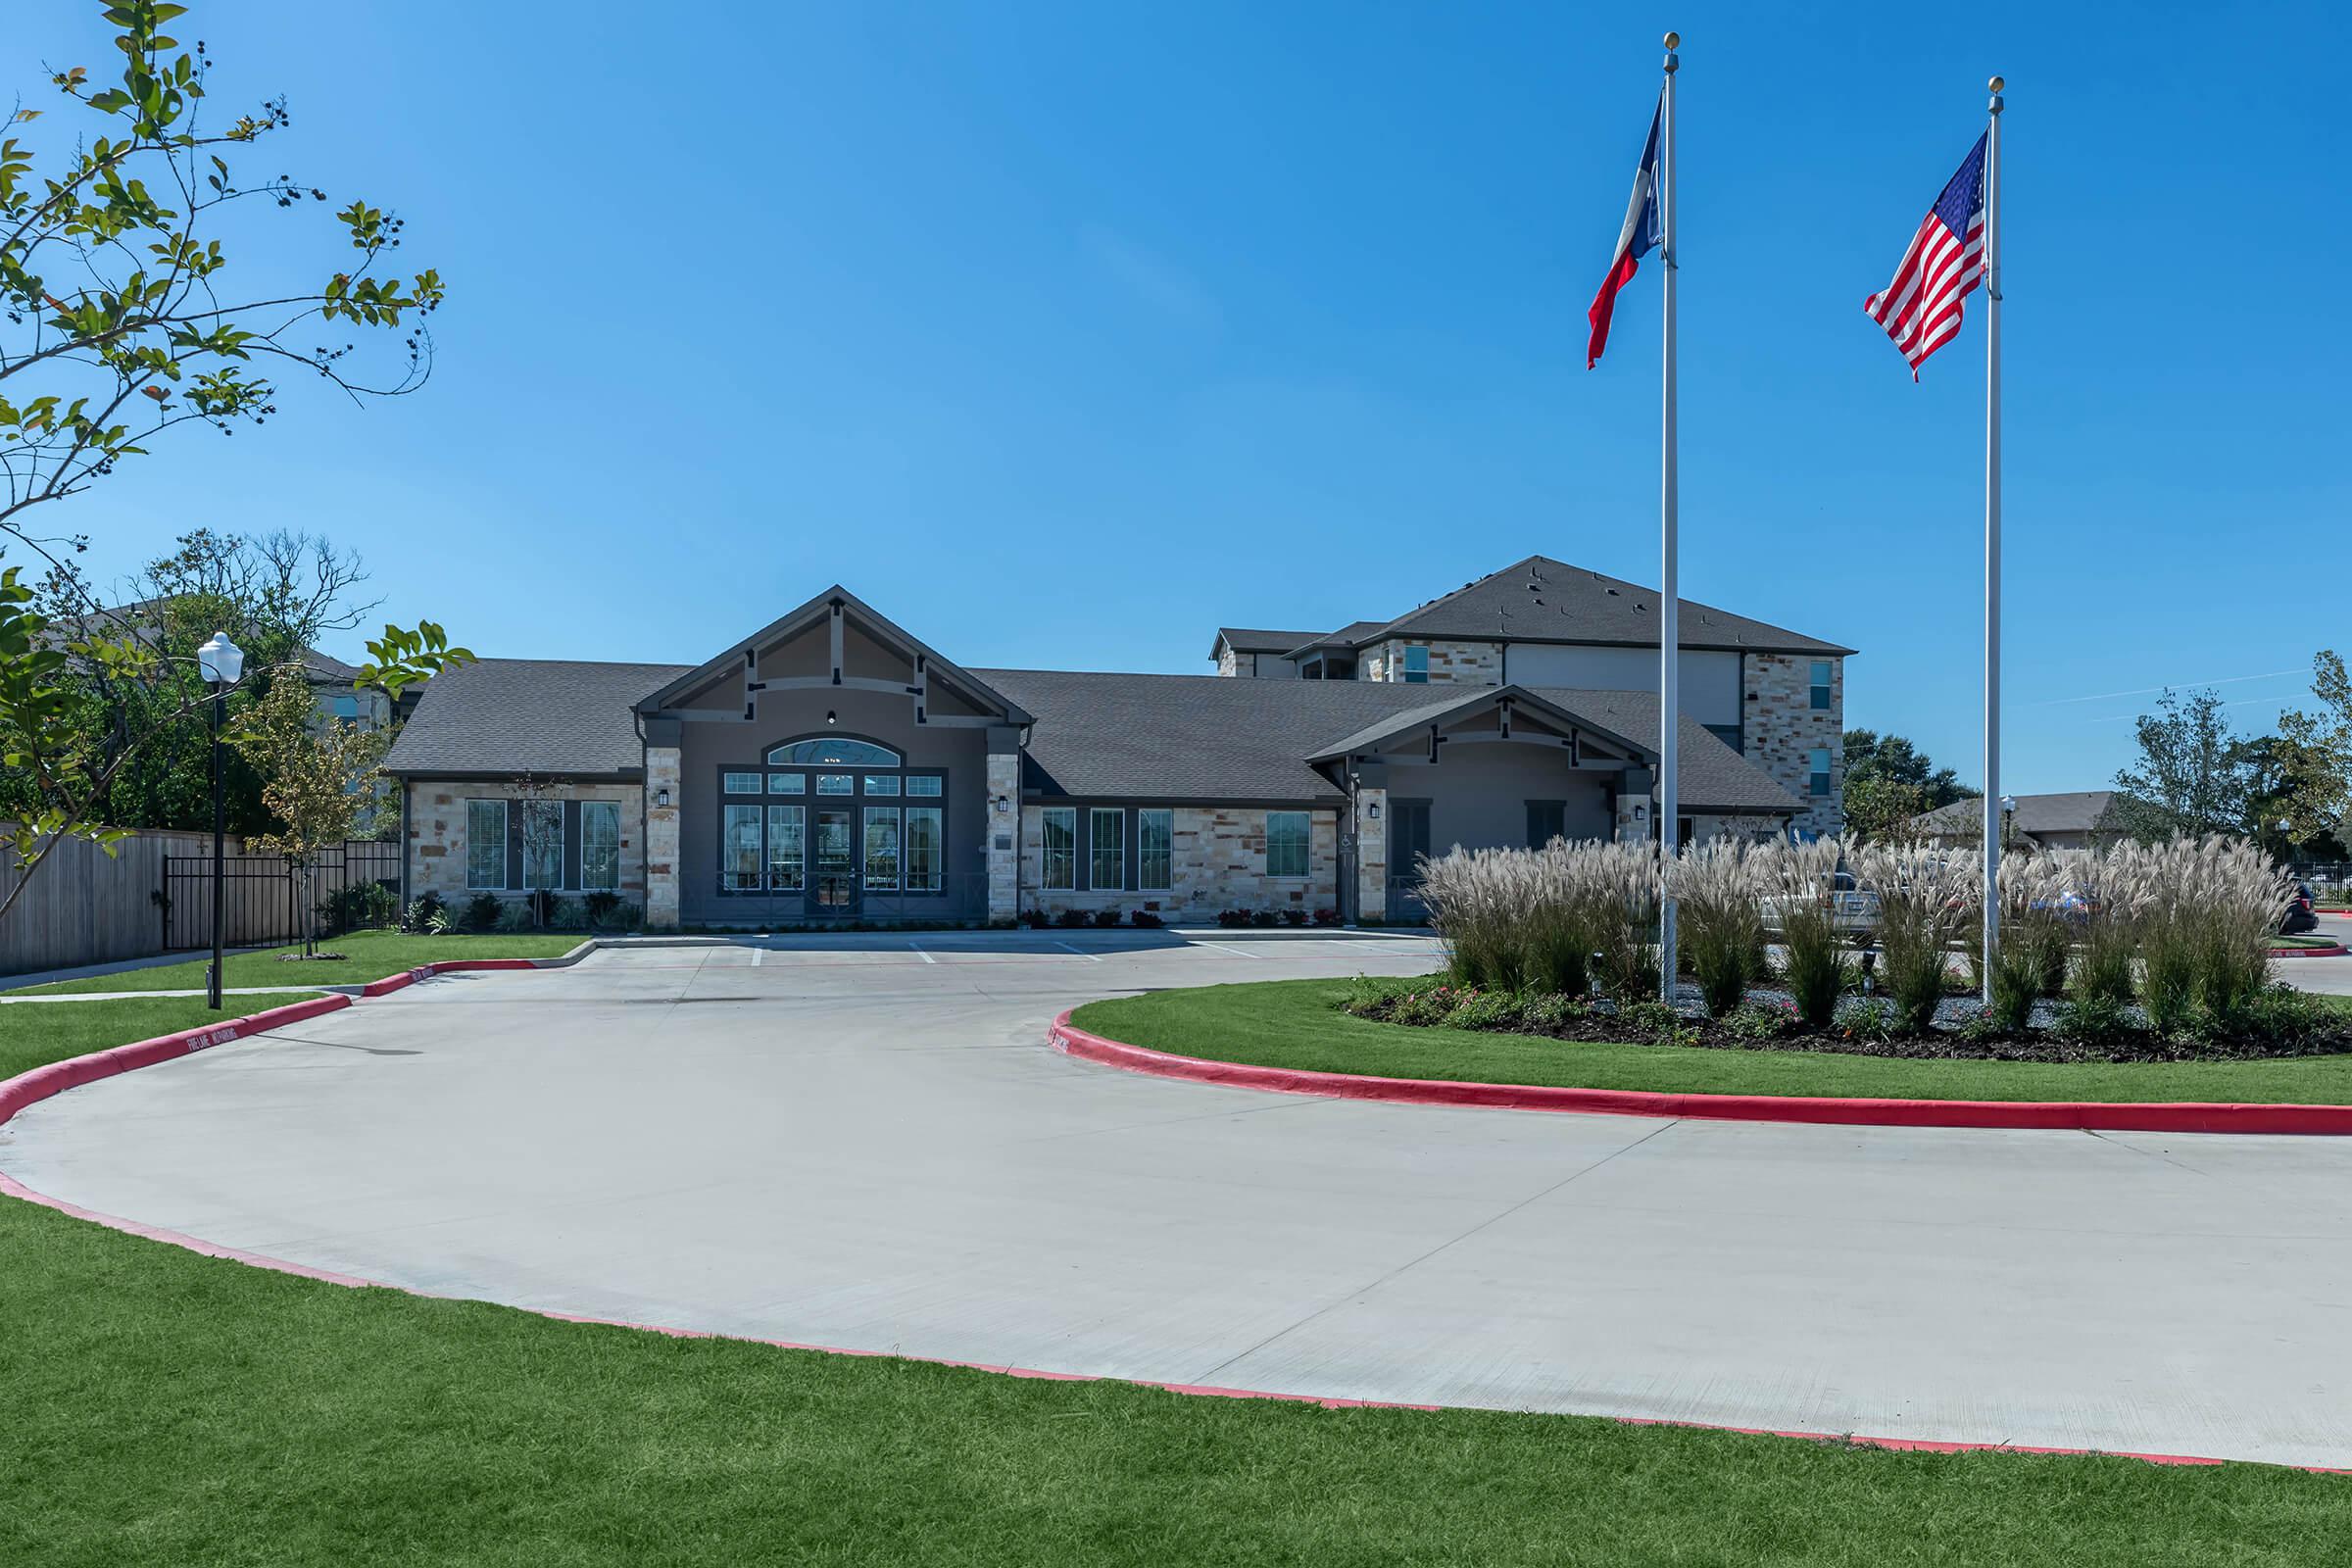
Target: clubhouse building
834,768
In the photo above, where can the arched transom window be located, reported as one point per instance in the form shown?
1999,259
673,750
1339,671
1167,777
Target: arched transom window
839,748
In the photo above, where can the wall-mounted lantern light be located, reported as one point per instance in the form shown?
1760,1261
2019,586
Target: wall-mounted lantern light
1373,811
1003,803
831,717
1641,813
662,799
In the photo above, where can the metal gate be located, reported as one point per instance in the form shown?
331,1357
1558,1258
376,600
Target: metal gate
263,893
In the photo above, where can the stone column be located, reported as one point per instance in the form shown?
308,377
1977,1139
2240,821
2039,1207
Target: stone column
1371,854
1004,830
662,838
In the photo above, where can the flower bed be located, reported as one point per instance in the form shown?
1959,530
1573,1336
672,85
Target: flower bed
2279,1023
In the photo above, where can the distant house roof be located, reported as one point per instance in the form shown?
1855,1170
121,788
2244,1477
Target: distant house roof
1541,600
2073,811
507,717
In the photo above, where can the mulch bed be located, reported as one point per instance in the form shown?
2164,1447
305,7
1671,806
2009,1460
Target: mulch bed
1600,1024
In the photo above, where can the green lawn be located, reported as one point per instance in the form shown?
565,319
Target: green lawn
170,1409
368,956
36,1034
1296,1023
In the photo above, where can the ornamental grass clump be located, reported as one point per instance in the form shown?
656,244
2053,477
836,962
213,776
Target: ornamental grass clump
1926,896
1624,882
1795,880
2033,938
2115,886
2222,900
1720,921
1477,900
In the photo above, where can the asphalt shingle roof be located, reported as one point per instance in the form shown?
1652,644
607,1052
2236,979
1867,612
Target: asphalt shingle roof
1258,640
2070,812
1211,737
1541,600
529,716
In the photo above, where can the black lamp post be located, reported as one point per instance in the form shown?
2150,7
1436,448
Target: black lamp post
222,663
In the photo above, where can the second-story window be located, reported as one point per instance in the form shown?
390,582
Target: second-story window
1818,783
1416,666
1821,685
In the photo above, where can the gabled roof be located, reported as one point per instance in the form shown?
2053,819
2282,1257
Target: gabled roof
1541,600
1214,738
1461,703
2070,812
1254,640
507,717
869,619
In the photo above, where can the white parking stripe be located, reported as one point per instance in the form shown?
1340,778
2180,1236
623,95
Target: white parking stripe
1239,952
1087,956
920,954
758,956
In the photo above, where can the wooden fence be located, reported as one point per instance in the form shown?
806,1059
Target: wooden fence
85,906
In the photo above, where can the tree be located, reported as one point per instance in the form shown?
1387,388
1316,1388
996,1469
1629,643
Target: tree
119,322
2315,758
1888,781
1877,807
2194,775
540,805
316,778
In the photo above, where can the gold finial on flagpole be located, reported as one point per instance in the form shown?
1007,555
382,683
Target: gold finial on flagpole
1674,40
1996,85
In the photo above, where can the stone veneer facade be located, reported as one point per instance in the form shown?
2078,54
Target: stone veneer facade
1003,849
437,834
1450,664
662,773
1229,662
1780,729
1219,862
1371,853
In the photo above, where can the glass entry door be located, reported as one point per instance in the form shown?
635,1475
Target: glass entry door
836,881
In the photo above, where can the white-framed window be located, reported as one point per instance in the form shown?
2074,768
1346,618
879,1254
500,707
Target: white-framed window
739,783
1416,666
1286,842
1106,848
882,846
1819,782
836,783
486,844
1057,842
881,783
1821,685
542,845
787,848
926,784
599,846
1155,850
836,749
787,783
926,849
739,848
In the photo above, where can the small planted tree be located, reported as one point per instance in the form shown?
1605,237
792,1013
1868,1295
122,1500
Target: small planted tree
542,836
319,779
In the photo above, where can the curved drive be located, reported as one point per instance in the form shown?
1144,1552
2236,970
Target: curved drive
863,1142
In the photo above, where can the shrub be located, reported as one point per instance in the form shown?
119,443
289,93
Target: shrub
1796,879
1327,917
1036,919
1070,920
600,909
1926,897
1294,916
1651,1020
1532,918
1720,921
1552,1010
1233,920
1424,1007
440,922
2274,1015
360,906
1761,1020
516,916
1485,1010
419,916
1263,918
619,915
2098,1021
1107,917
570,914
1869,1018
1143,918
482,912
2205,939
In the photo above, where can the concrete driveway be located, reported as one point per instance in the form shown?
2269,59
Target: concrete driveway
861,1141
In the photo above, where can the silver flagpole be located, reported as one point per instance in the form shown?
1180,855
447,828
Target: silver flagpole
1992,537
1670,601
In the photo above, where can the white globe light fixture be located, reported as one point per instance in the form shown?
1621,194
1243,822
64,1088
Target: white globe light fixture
220,661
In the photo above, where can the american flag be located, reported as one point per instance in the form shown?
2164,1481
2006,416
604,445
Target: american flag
1921,309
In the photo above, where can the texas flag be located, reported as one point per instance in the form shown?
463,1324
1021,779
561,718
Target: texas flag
1644,225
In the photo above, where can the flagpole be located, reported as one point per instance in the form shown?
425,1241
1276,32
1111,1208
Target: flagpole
1670,600
1992,536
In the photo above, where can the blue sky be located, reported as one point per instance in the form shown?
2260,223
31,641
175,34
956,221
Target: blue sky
1064,333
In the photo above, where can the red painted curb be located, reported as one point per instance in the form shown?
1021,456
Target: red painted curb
425,971
2161,1116
2339,951
40,1083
